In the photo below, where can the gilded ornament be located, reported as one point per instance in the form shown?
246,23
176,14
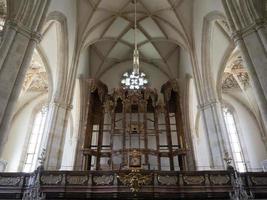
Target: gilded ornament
135,180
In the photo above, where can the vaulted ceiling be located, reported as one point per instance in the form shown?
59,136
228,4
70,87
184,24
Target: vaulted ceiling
106,27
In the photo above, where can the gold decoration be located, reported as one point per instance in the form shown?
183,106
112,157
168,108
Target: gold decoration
135,159
135,180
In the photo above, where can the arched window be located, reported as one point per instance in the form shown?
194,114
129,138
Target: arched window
234,139
3,13
134,81
35,140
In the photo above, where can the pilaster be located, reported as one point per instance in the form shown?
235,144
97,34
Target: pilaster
248,32
213,124
19,40
57,121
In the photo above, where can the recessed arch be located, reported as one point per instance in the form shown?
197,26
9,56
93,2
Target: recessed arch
63,51
209,87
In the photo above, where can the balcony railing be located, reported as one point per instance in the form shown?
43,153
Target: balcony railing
132,184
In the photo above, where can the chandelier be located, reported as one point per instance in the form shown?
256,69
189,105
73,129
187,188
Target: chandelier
135,79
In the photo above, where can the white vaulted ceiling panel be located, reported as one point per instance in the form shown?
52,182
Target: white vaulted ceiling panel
149,51
151,27
156,5
112,5
119,51
104,46
116,28
98,18
160,32
129,36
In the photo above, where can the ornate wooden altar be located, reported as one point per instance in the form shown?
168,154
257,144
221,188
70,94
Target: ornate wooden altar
131,122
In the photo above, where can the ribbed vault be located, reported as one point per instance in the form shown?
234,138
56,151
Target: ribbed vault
107,28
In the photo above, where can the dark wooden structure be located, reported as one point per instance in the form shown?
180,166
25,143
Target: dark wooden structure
117,185
134,121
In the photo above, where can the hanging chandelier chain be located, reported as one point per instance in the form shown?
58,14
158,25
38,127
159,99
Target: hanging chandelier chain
135,26
135,53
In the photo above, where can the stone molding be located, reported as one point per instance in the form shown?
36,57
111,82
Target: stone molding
20,28
32,185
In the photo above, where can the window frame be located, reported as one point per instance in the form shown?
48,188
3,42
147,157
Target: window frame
24,154
244,156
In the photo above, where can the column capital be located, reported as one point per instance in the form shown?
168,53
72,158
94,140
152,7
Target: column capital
250,29
206,105
61,104
19,27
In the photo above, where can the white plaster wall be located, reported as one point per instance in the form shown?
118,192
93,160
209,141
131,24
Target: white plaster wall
218,49
198,135
201,146
84,64
70,145
253,147
185,65
49,46
68,8
200,10
69,148
18,133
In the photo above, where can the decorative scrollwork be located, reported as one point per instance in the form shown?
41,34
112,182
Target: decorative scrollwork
9,181
219,179
103,180
51,179
259,180
77,180
194,180
135,180
167,180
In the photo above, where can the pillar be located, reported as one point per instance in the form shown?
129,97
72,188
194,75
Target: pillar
22,33
249,34
213,124
57,122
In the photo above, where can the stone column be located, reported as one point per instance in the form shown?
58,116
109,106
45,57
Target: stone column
57,121
22,33
249,34
87,88
85,97
213,124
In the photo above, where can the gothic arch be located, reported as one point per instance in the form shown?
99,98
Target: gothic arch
35,110
209,88
48,71
63,52
221,71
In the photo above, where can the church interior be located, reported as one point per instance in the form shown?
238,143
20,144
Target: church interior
133,99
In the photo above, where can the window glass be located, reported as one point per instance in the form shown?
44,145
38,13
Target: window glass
35,140
234,140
